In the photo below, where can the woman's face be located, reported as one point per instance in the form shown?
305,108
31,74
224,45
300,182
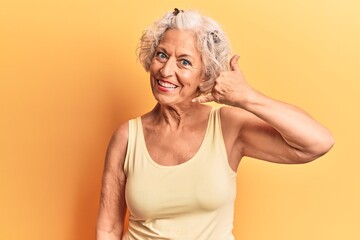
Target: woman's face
176,68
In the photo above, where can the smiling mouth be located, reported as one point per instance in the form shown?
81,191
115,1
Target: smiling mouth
166,85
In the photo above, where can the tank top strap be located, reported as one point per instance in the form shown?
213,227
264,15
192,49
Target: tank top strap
214,132
215,138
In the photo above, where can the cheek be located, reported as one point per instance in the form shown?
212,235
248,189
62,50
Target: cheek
193,82
190,79
200,77
154,65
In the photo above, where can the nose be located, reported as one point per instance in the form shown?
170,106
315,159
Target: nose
168,69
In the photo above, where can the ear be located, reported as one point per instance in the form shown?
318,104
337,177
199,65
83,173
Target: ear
206,86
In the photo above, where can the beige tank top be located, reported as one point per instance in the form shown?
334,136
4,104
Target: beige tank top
190,201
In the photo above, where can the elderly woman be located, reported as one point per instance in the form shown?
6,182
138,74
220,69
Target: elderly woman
174,168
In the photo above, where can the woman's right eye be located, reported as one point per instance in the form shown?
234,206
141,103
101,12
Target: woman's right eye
161,55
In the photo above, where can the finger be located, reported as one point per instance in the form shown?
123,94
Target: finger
234,63
204,99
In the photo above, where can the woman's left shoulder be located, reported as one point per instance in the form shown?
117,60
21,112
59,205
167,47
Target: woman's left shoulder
234,119
230,114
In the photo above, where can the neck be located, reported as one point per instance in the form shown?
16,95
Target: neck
176,117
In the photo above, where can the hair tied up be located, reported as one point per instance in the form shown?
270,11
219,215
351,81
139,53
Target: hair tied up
176,11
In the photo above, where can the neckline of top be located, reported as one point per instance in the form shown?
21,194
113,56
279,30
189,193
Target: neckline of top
185,163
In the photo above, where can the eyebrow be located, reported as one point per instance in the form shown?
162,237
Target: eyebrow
184,55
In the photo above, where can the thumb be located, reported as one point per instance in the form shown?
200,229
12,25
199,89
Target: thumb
233,63
204,99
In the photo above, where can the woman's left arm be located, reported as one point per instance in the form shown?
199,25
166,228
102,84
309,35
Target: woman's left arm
269,129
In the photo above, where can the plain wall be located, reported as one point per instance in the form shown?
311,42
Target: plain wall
69,77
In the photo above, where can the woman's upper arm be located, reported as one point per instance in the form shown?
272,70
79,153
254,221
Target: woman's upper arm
260,140
112,200
255,138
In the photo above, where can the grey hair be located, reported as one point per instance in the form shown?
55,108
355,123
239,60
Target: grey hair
212,42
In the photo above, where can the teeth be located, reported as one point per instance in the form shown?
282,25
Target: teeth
166,84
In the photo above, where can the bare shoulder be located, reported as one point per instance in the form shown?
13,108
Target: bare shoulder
232,116
121,134
237,123
240,122
116,151
232,121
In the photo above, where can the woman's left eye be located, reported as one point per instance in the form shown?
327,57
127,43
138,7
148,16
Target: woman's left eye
185,62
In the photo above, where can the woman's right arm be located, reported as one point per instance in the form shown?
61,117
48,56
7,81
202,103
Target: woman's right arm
110,222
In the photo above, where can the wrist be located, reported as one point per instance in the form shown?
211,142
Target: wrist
247,100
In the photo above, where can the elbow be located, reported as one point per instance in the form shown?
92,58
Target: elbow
328,144
317,150
325,144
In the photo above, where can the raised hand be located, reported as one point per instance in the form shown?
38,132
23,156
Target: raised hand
230,87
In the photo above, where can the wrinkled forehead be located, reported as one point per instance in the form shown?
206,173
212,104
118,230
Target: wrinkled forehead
180,40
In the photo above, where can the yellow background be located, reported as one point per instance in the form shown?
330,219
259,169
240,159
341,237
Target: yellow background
69,77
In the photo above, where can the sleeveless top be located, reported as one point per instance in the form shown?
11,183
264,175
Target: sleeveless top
190,201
